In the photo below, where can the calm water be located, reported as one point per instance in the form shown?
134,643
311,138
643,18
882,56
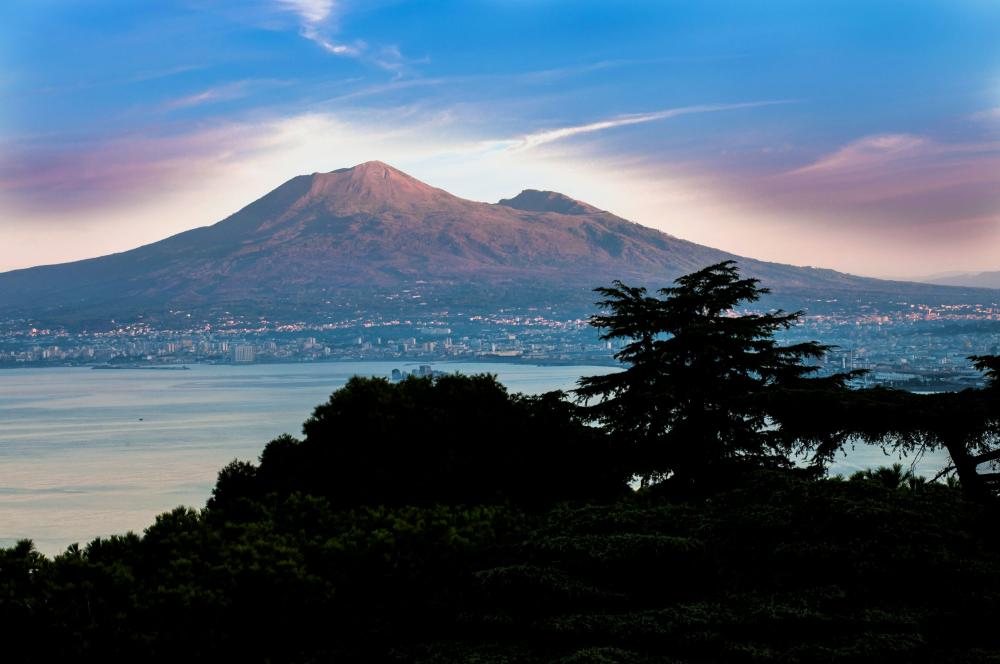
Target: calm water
85,453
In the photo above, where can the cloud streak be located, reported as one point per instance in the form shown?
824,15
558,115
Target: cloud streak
313,16
225,92
221,93
870,152
530,141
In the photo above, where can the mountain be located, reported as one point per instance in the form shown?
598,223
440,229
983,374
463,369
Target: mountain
373,238
970,279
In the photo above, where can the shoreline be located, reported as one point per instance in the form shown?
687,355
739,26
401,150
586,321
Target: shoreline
402,362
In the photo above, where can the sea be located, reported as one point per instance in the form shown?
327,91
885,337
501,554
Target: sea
87,453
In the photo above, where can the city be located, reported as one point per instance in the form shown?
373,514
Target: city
914,346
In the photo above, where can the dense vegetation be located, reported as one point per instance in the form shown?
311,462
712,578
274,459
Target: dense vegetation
445,520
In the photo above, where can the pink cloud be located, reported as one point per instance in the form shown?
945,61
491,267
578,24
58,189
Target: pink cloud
89,174
863,155
892,179
991,114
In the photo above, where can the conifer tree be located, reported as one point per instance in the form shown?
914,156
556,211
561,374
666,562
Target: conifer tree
693,396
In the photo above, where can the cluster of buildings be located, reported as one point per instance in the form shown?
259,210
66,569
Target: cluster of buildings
916,346
422,371
503,336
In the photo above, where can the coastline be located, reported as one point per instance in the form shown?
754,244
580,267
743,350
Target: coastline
175,366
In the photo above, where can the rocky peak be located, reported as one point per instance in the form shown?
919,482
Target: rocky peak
371,187
533,200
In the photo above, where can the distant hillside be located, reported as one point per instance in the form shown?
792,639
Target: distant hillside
357,237
969,279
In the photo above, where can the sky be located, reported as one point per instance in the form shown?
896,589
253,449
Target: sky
861,136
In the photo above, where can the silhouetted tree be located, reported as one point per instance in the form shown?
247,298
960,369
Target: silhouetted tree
452,439
698,379
965,423
990,366
237,488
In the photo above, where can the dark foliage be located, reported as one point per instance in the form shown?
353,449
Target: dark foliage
966,424
453,439
990,366
698,379
778,568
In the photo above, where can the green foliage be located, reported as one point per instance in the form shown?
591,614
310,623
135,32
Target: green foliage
699,380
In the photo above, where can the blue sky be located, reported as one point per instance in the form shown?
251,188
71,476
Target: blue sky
863,136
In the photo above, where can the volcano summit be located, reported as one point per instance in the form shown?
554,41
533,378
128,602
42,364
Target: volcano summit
372,238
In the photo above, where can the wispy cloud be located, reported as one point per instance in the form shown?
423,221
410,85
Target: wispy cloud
866,153
990,114
536,139
314,16
225,92
316,23
222,92
391,58
385,88
311,11
889,163
156,74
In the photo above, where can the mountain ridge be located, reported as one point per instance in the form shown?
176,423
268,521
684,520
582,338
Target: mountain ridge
353,234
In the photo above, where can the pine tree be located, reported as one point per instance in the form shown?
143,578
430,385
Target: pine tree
693,396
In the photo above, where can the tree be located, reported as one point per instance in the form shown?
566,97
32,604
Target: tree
965,423
449,439
694,395
990,366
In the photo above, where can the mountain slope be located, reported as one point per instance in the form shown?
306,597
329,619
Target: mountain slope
358,236
972,279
